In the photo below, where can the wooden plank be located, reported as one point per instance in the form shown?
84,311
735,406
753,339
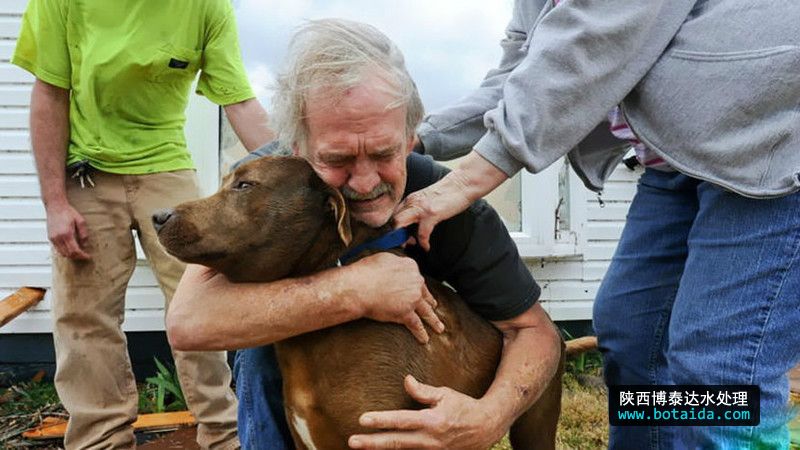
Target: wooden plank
618,191
608,212
23,232
42,322
14,140
12,74
571,310
581,345
595,270
25,254
16,95
9,27
6,50
18,302
21,209
603,231
17,164
19,186
569,290
14,6
600,251
14,118
55,427
12,276
548,269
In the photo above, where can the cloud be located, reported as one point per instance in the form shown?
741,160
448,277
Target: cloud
261,79
449,44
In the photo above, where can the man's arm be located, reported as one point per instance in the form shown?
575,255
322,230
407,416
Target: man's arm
531,355
250,123
208,312
66,228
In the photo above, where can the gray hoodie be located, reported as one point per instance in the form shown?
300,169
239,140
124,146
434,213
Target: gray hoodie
712,86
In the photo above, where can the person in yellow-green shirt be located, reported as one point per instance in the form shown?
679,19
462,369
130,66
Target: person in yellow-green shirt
113,81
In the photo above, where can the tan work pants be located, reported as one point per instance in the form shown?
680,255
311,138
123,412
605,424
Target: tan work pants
93,370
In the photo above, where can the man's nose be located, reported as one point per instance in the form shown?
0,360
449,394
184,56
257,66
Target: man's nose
161,217
364,178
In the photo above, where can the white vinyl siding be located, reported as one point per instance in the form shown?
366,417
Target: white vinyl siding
569,285
24,251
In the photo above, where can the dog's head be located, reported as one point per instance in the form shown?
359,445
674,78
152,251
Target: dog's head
273,217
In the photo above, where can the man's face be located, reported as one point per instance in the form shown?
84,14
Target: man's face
359,146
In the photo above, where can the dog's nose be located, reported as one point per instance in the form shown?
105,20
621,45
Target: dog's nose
161,217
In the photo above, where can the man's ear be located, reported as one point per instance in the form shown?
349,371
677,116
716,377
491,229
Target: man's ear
410,140
337,203
296,150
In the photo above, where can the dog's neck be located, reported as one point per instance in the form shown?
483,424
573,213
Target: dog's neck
328,248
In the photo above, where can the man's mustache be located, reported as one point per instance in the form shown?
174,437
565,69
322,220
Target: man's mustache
382,188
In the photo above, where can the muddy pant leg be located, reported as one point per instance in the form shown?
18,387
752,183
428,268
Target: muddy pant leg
93,371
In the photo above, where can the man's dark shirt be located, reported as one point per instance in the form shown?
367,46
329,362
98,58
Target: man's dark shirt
472,251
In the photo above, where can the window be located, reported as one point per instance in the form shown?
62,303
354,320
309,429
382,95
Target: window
449,45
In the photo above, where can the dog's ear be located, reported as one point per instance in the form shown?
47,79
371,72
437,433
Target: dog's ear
337,203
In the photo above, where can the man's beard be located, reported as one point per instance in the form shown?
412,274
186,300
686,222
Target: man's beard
382,188
373,217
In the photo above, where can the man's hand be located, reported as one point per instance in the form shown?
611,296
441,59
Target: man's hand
473,179
66,229
391,289
453,421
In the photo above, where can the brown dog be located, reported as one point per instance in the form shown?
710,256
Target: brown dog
275,218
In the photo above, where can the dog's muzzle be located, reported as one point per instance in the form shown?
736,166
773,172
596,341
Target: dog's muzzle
161,217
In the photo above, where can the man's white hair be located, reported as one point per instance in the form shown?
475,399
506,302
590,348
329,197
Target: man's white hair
337,55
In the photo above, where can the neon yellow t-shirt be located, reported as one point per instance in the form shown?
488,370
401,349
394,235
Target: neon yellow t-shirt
130,65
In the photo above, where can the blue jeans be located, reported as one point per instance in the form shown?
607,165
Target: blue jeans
262,421
704,288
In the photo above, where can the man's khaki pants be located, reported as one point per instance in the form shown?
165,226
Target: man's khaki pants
93,370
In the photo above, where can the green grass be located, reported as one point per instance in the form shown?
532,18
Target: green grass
27,397
584,419
22,406
162,392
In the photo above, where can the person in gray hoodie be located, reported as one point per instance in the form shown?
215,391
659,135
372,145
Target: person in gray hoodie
704,287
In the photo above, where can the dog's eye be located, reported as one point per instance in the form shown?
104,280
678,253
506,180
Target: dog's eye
242,185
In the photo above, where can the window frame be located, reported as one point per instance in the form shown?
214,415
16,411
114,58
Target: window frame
543,198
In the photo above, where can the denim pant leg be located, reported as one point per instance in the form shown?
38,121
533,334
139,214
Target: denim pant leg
736,315
262,421
632,309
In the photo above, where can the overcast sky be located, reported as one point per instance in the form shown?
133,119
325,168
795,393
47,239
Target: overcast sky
449,45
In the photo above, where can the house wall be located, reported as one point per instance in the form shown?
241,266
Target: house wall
569,284
24,251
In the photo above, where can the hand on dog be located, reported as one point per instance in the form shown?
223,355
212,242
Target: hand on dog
392,290
453,421
474,178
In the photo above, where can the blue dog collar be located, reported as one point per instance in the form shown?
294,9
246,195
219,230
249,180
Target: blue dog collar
392,239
